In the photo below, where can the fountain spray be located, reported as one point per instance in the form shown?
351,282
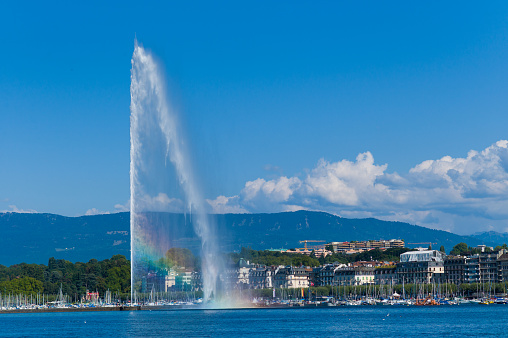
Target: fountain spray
152,115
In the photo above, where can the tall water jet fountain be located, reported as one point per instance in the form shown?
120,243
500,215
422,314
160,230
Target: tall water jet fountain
165,197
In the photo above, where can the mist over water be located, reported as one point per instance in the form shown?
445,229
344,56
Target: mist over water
162,179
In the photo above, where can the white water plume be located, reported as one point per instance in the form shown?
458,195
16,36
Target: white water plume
152,117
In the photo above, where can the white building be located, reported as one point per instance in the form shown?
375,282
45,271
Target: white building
291,278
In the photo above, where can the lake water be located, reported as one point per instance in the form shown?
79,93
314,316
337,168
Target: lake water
373,321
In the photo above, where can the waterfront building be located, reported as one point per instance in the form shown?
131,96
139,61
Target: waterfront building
165,280
291,277
472,269
454,270
327,274
159,281
314,276
242,277
488,266
236,276
364,275
422,256
502,268
183,280
359,275
169,280
344,276
196,280
386,275
262,277
424,266
484,267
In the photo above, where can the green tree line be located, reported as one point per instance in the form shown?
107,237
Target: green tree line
75,278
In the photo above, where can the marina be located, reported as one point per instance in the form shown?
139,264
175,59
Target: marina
319,302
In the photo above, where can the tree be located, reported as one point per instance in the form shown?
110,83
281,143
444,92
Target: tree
118,279
460,249
22,285
442,249
499,247
267,257
180,257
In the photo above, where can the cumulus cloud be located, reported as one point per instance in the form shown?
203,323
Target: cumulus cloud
226,205
345,183
458,194
272,195
463,195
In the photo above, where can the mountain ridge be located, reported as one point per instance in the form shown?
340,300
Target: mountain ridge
34,238
498,238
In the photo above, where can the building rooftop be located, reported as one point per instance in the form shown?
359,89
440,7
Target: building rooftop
422,256
503,257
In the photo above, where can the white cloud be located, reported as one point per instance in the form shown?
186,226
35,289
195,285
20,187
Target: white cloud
460,194
345,182
271,195
289,207
94,211
14,208
123,207
161,202
226,205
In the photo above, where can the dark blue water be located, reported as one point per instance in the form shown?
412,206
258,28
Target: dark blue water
374,321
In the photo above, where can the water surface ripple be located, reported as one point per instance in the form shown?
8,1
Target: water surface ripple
374,321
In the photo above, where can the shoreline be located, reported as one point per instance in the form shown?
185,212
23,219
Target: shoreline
71,309
192,308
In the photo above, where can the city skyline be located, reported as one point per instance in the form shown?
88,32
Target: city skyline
395,112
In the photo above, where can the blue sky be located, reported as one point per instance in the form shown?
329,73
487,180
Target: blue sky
266,91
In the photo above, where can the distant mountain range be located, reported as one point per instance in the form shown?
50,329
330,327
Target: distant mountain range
34,238
491,237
